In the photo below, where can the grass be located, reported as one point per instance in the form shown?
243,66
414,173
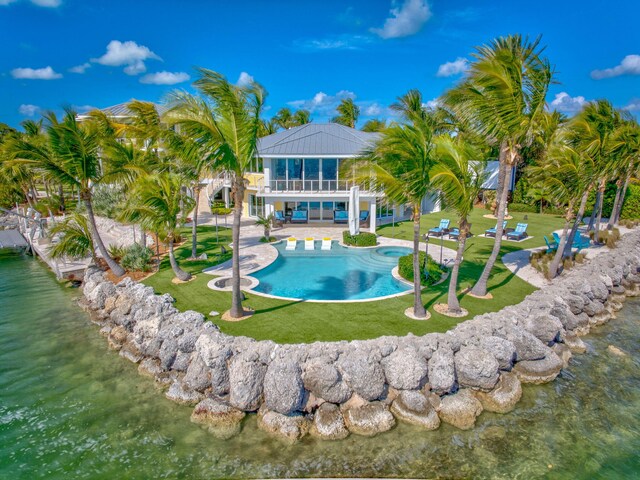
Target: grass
293,322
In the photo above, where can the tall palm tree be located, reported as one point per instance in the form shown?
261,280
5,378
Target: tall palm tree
160,202
348,113
75,238
501,98
225,121
284,118
374,125
73,159
399,165
627,148
301,117
459,180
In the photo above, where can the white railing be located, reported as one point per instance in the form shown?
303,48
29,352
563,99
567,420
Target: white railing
307,186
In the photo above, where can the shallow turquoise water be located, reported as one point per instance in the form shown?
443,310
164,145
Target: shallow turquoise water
337,274
70,408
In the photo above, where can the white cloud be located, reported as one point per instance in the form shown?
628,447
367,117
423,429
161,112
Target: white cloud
126,53
244,79
46,73
6,2
458,66
28,110
373,110
630,65
83,108
47,3
165,78
406,20
432,104
566,103
80,68
633,106
322,103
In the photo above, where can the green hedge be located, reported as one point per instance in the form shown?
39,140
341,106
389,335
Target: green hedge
430,275
218,208
631,205
523,208
363,239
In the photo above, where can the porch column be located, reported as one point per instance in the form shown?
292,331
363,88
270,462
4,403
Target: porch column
372,216
225,191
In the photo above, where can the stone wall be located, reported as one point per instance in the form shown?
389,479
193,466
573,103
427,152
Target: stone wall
332,389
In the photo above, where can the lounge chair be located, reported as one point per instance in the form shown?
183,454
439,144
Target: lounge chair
309,243
441,229
520,233
551,246
579,242
492,231
291,243
454,233
326,243
278,219
340,216
299,216
364,218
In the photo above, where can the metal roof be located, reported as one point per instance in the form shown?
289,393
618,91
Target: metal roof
316,139
122,110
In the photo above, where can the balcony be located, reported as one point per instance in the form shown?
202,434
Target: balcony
307,186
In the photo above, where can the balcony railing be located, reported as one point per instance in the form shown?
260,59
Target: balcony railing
308,186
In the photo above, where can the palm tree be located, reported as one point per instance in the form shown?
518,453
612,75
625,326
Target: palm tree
75,238
225,121
399,164
460,180
501,98
301,117
627,148
160,202
266,222
374,125
268,127
539,192
73,159
348,113
284,118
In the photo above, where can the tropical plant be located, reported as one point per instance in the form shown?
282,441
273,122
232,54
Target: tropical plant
225,121
348,113
266,222
137,258
73,237
374,125
160,202
627,148
301,117
501,98
284,118
459,179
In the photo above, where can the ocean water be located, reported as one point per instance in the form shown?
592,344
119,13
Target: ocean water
70,408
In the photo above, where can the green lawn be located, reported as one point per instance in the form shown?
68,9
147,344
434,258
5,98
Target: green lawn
290,322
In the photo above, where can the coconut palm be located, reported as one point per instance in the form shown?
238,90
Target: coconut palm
268,127
348,113
225,122
374,125
265,222
627,148
399,165
284,118
301,117
459,180
159,201
501,98
74,238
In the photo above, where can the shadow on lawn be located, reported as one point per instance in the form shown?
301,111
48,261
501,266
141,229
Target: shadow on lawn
277,307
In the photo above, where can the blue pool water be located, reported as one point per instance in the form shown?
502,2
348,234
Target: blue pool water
337,274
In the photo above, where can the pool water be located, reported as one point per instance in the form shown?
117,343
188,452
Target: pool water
337,274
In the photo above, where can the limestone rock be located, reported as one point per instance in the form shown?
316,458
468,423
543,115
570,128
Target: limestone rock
504,396
245,383
180,394
413,407
369,419
405,369
539,371
545,327
149,367
198,376
323,379
528,347
502,350
287,427
283,388
363,375
564,352
476,368
575,344
460,409
220,419
442,374
328,423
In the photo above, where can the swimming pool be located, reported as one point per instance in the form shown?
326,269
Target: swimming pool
337,274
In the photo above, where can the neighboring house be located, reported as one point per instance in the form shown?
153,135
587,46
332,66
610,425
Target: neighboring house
121,112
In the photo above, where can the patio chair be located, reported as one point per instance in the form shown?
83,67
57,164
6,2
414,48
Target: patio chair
364,218
492,231
291,243
581,241
299,216
279,219
441,229
309,243
551,246
520,233
340,216
326,243
454,233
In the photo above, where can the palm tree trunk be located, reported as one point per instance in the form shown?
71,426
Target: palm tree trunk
236,295
61,195
572,235
618,211
143,237
453,305
117,270
480,288
181,274
194,228
616,201
555,263
594,211
603,186
418,307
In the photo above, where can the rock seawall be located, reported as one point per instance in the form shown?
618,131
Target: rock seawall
332,389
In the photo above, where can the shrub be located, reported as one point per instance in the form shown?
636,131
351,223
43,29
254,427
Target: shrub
362,239
267,240
137,258
430,275
219,208
107,201
631,205
117,252
540,260
523,208
607,237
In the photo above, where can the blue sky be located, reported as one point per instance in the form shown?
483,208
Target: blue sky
306,53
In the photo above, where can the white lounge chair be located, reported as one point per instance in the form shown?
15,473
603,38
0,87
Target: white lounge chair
326,243
291,243
309,243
